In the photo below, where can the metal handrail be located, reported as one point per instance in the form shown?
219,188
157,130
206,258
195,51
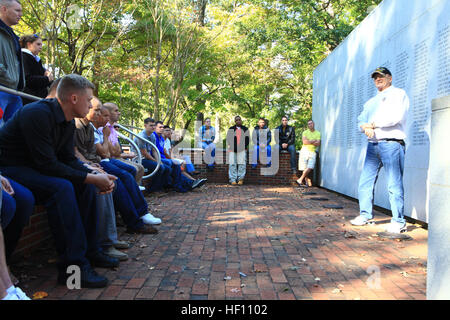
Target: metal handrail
158,154
19,93
34,98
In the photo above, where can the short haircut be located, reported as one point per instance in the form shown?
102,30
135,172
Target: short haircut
262,119
284,117
8,3
29,38
166,127
159,122
72,83
96,103
53,86
148,120
207,119
237,117
110,105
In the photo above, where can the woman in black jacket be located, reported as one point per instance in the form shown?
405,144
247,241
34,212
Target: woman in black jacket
37,78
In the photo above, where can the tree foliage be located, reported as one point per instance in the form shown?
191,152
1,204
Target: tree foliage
173,59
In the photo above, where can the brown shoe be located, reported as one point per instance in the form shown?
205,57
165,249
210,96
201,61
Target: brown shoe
241,182
145,229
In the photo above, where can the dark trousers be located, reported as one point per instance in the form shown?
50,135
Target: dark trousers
161,178
71,210
179,182
128,198
15,214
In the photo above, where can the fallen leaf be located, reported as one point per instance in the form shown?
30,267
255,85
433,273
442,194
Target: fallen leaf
336,291
227,278
317,279
40,295
235,290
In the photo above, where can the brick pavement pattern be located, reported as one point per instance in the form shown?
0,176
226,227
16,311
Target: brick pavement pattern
255,242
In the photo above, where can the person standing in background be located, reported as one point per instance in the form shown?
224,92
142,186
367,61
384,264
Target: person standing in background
37,78
11,66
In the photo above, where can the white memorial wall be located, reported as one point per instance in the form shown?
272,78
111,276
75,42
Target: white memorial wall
412,39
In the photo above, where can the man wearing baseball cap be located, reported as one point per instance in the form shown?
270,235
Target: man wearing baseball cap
383,121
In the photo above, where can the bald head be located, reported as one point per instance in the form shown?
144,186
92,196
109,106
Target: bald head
114,113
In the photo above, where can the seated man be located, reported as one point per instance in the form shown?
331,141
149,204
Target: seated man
285,139
186,165
161,178
124,172
307,160
168,175
261,144
116,149
207,136
85,152
38,152
179,182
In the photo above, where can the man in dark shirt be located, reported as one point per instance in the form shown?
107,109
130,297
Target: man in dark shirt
285,139
36,150
238,140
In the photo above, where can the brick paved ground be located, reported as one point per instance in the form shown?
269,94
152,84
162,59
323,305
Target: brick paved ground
253,242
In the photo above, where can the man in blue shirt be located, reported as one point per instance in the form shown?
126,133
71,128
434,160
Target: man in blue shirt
179,181
160,179
207,136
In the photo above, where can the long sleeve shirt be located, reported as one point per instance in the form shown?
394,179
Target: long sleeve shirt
38,136
388,112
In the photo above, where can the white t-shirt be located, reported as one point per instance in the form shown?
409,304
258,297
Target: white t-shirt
388,111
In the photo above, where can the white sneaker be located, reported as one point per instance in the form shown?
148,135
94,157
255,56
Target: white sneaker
394,227
10,296
150,219
359,221
20,294
141,188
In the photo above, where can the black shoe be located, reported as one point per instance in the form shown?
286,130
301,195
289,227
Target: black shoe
89,278
194,173
198,183
101,260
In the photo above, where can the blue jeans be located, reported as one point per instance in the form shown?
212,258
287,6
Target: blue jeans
189,166
210,153
128,198
161,178
292,152
179,182
256,157
71,210
391,156
9,103
15,213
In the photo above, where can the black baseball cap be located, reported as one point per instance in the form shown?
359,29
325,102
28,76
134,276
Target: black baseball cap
381,70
